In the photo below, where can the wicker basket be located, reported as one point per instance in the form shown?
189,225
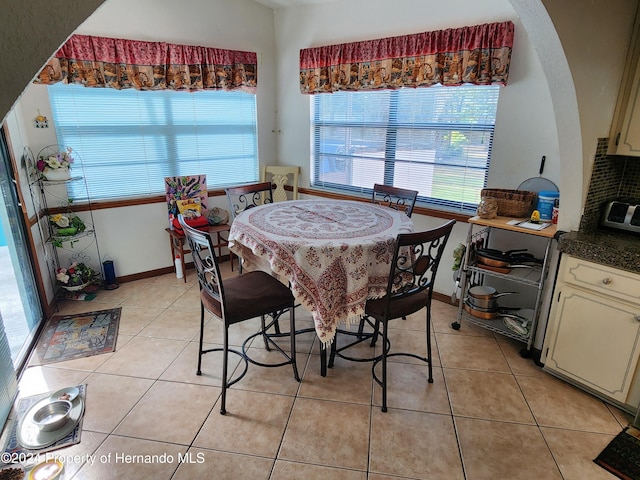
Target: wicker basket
512,203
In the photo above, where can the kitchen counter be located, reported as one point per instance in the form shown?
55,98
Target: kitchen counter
615,249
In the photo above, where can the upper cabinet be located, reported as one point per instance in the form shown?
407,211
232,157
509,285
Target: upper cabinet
624,138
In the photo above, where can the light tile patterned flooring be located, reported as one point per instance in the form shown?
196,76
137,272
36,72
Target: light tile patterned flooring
490,414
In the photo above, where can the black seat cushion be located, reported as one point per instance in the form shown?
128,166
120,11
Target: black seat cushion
249,295
399,308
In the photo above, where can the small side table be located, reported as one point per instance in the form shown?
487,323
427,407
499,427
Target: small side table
177,244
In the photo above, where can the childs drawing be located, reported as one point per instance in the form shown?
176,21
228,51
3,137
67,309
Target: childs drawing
182,188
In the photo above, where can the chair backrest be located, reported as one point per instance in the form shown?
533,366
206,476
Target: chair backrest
206,264
415,263
279,177
248,196
394,197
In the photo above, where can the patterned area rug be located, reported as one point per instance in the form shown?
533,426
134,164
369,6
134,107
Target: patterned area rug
622,456
76,336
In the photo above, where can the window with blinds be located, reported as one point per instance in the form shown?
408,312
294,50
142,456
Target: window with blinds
128,141
435,140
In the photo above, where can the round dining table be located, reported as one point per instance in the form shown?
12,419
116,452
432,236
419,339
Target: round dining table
334,254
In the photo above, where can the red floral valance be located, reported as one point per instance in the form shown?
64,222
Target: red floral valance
117,63
479,55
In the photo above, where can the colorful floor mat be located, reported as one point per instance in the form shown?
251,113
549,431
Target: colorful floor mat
76,336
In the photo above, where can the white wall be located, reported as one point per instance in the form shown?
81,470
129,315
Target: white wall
134,237
595,37
15,124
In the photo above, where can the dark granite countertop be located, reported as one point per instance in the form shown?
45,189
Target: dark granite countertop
612,248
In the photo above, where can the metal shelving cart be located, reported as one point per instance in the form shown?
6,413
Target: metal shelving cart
533,276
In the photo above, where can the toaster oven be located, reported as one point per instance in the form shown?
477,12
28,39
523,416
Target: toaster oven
622,215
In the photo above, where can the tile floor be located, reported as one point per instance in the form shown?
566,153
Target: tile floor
490,414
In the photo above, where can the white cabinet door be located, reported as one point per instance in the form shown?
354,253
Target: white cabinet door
595,341
624,136
627,140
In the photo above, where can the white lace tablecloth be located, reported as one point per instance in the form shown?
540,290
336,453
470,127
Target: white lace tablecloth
335,254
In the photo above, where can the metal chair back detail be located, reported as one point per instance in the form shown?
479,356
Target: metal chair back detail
245,197
249,196
401,199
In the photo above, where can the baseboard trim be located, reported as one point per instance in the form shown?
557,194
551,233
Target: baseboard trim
158,271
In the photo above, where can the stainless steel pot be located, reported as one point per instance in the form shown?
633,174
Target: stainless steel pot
485,304
485,292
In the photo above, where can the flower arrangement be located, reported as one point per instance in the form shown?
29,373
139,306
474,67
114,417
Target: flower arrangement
65,225
75,277
62,159
54,163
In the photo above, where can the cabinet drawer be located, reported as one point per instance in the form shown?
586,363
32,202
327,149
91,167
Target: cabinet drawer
604,280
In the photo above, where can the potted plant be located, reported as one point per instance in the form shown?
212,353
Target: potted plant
76,276
65,225
55,165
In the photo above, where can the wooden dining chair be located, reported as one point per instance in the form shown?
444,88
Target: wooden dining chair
237,299
282,177
401,199
409,289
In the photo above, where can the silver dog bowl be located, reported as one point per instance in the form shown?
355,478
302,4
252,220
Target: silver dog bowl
52,416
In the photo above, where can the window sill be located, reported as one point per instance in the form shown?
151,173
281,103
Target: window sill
430,212
421,210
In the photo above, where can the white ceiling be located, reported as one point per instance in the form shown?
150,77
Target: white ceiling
275,4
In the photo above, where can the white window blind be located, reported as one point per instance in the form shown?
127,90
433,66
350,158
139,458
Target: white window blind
435,140
8,377
128,141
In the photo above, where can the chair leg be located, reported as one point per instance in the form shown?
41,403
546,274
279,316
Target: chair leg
264,333
360,328
225,361
376,331
292,335
276,322
430,378
199,370
385,350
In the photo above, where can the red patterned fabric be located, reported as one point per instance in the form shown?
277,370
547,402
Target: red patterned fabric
117,63
334,254
479,55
